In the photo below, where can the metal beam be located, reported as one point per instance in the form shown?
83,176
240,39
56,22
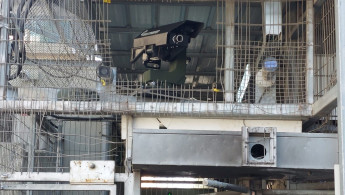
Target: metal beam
135,30
297,192
201,109
190,54
323,106
326,103
60,187
340,62
174,149
126,71
139,30
132,185
47,177
312,186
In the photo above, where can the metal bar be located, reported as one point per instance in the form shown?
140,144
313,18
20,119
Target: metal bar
188,73
226,186
310,52
59,149
340,62
336,179
190,54
297,192
62,187
229,51
132,185
323,106
3,47
129,142
31,146
289,111
47,177
140,30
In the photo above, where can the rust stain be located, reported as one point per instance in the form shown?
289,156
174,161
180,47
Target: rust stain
95,180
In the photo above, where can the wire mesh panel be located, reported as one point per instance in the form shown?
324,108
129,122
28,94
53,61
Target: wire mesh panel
42,192
325,71
56,43
325,75
42,143
54,49
268,49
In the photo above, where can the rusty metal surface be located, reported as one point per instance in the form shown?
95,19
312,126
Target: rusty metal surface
92,172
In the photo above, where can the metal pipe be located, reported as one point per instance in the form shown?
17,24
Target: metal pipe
3,47
310,52
340,62
226,186
229,51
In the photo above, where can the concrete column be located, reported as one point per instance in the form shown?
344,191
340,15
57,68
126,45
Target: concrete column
229,50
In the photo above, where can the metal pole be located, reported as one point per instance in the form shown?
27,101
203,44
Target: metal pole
336,180
59,151
106,129
59,148
340,61
310,52
229,50
133,184
226,186
3,47
31,147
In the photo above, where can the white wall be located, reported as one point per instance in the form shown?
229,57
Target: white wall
214,124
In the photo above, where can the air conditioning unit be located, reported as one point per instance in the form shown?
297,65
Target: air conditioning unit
259,146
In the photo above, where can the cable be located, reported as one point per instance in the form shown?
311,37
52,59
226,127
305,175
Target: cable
18,45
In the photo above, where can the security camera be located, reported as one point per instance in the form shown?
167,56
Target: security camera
165,43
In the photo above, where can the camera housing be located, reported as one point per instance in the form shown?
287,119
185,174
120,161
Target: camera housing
166,43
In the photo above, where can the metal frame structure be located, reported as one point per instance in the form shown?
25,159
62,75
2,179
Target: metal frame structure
60,187
183,152
340,58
